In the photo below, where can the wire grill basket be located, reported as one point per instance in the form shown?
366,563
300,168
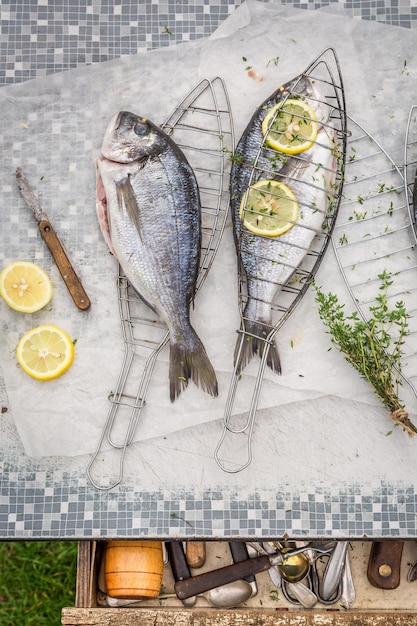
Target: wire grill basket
201,126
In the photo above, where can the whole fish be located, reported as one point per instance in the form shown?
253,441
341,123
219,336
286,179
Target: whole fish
149,210
270,262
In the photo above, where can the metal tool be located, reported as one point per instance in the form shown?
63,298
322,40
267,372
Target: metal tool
48,234
201,126
203,582
230,595
326,73
292,569
410,165
274,573
375,231
300,593
308,591
221,596
295,592
412,572
348,594
332,575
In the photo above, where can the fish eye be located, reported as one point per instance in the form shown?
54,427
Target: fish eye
140,129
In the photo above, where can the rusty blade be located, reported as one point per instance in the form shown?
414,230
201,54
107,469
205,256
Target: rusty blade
31,200
54,244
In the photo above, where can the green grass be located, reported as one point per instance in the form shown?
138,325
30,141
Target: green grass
37,579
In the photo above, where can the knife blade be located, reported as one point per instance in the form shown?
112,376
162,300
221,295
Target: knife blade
54,244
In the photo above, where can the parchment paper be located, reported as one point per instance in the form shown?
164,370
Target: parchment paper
53,127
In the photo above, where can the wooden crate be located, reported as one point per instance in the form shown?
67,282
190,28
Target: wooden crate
87,613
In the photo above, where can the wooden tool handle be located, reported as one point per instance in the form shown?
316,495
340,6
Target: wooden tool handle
195,552
384,564
179,565
71,279
209,580
240,553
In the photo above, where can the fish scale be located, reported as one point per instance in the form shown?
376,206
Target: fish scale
268,262
149,210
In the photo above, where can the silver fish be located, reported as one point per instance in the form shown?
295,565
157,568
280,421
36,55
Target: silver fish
269,263
149,211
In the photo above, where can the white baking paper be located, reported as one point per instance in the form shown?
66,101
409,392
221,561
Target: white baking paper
53,127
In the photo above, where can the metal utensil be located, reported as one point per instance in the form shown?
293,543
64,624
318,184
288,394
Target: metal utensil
412,573
220,596
348,590
274,573
230,595
204,112
54,244
301,593
326,71
333,572
294,568
203,582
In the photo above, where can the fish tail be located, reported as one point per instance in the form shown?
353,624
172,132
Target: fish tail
249,343
188,359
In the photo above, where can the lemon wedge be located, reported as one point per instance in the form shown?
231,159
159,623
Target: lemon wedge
25,286
45,352
290,127
269,208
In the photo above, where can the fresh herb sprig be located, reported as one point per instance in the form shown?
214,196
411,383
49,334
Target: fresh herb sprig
373,346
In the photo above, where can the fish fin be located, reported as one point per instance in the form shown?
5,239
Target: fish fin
126,198
145,300
188,359
249,343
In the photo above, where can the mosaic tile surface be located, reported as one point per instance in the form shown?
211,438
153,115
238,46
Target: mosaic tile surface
51,498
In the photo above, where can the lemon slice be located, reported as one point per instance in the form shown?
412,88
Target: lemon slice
270,208
45,352
25,286
290,126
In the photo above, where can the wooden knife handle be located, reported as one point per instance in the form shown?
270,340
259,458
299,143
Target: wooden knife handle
179,567
240,553
195,552
209,580
71,279
384,564
178,562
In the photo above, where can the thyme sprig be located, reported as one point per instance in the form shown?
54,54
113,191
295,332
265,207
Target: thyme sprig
373,346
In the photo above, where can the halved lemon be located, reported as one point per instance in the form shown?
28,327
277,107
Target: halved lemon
269,208
45,352
25,286
290,127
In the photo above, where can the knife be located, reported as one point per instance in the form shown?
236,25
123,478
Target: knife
54,244
179,567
